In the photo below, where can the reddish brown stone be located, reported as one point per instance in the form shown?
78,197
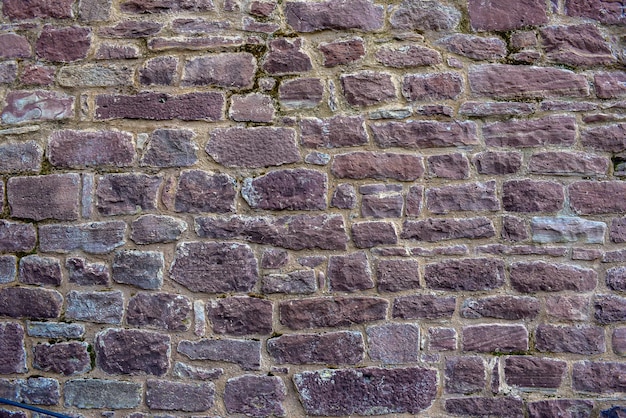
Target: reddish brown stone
256,396
610,138
551,130
14,46
251,108
158,71
301,93
503,15
334,14
52,196
382,206
120,194
610,85
246,353
213,267
532,196
208,106
125,351
116,52
530,277
37,75
439,86
94,10
609,308
424,16
506,407
525,82
200,191
28,9
577,45
179,396
501,307
568,163
95,237
585,340
424,134
349,273
298,189
159,310
13,355
394,343
241,316
495,338
433,230
170,148
331,312
295,232
566,408
397,275
414,201
599,377
342,52
449,166
253,147
468,274
475,47
423,307
533,372
38,270
344,197
385,391
482,109
286,57
82,273
442,339
368,88
26,302
338,131
335,348
38,105
464,375
408,56
131,29
604,11
497,163
166,6
63,44
196,71
77,149
67,359
474,197
297,282
571,308
589,197
372,234
360,165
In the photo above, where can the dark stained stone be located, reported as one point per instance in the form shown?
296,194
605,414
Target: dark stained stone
17,236
241,315
539,276
170,148
495,338
160,71
342,52
28,9
179,396
344,197
202,191
214,267
256,396
253,147
468,274
34,303
423,15
298,189
295,232
63,44
372,234
12,353
336,348
123,351
338,131
435,229
609,308
122,194
432,87
349,273
37,270
165,311
331,312
68,359
397,275
501,307
245,353
305,16
530,196
370,391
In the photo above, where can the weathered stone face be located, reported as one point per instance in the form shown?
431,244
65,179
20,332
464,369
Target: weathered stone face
120,351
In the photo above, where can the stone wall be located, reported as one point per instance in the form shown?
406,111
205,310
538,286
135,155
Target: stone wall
313,208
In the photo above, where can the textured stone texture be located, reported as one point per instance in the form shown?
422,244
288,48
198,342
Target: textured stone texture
44,197
179,396
287,189
120,351
200,191
337,348
334,14
241,316
495,338
245,353
64,358
255,395
331,312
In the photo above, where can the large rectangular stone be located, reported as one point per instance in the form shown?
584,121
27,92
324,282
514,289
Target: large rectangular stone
95,237
53,196
424,134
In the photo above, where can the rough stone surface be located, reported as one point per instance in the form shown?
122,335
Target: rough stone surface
468,274
170,148
77,149
287,189
423,307
570,339
539,276
121,351
360,165
429,87
336,348
20,157
475,47
424,134
100,393
532,196
255,396
143,269
501,307
94,237
334,14
368,88
408,56
302,93
13,358
587,197
495,338
560,407
331,312
151,229
34,303
598,377
64,358
159,310
98,307
475,197
393,343
406,390
532,372
338,131
552,130
567,229
122,194
52,196
464,375
579,45
245,353
349,273
63,44
342,52
179,396
397,275
241,316
434,229
200,191
214,267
